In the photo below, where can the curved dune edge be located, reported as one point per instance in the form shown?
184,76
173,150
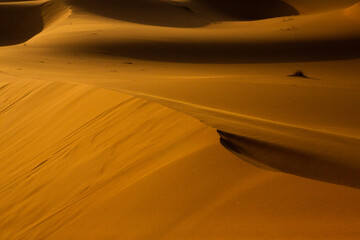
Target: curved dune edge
311,153
25,19
354,12
54,11
310,162
95,164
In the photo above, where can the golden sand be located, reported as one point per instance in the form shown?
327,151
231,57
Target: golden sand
100,103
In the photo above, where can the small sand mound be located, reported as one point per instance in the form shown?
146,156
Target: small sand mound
23,20
298,73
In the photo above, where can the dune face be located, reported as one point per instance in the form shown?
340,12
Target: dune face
150,12
224,52
19,29
179,119
93,142
320,164
20,21
194,13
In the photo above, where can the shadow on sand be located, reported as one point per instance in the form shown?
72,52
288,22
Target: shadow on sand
190,14
224,52
301,163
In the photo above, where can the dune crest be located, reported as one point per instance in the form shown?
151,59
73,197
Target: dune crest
354,12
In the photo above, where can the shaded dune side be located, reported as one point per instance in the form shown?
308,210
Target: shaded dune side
307,162
20,21
311,6
249,10
149,12
225,52
195,13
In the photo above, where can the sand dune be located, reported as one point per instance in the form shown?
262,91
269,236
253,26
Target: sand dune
81,152
113,166
288,39
319,101
314,153
21,20
100,135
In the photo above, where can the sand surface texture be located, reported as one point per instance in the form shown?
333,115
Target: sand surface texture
100,102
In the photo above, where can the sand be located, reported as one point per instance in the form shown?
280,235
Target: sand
100,103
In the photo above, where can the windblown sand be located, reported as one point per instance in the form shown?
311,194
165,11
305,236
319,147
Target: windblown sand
100,103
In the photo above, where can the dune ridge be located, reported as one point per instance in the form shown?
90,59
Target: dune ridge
314,153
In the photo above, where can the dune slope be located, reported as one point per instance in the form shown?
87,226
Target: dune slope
61,143
80,162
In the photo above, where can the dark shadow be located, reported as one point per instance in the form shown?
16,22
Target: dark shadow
298,74
250,9
170,14
306,164
19,23
150,12
223,52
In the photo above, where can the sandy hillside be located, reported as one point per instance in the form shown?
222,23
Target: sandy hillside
100,102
